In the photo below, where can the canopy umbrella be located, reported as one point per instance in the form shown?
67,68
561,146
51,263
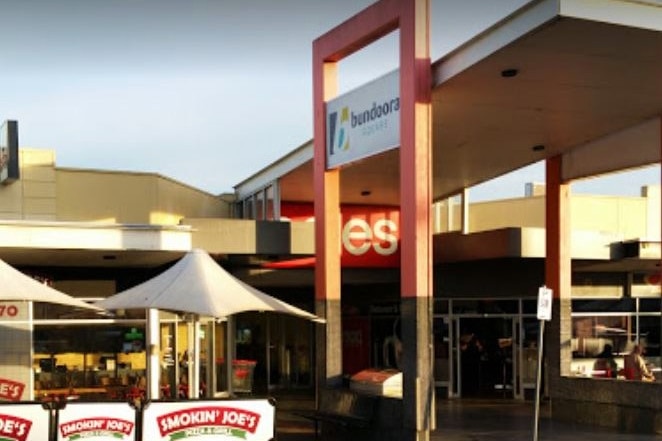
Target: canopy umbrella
196,284
16,286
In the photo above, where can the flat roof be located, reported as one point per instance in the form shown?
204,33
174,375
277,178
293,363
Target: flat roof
555,77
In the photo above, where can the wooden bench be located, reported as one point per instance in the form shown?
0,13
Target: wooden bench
342,408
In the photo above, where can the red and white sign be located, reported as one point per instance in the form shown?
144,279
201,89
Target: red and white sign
11,390
96,421
252,420
370,234
12,311
23,422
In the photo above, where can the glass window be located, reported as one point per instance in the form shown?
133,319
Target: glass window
591,333
95,361
239,210
249,209
624,304
649,335
650,305
259,205
270,213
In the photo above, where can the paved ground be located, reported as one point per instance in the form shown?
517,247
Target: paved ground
469,420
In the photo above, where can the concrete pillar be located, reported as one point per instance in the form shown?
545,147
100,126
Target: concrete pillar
377,20
415,221
327,232
558,273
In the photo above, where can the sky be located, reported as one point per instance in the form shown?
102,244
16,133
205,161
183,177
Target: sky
206,92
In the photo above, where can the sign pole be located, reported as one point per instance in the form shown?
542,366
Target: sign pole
538,377
544,314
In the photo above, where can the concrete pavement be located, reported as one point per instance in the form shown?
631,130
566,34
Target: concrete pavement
468,420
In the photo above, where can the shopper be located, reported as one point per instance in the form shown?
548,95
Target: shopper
635,366
605,365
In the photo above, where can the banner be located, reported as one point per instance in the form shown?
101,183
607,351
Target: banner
23,422
96,422
252,420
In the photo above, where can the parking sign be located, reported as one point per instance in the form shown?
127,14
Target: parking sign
544,303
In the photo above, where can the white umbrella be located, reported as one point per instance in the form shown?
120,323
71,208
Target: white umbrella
16,286
197,285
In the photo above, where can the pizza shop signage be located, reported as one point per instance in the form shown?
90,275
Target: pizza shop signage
12,310
11,390
23,422
251,420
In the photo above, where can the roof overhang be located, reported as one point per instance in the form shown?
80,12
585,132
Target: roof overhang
587,81
80,244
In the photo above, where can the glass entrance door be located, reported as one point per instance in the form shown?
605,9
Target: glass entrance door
485,357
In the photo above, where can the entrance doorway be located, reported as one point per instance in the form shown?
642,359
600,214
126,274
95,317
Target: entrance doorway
485,357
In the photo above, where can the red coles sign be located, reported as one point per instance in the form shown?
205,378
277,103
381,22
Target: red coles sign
370,234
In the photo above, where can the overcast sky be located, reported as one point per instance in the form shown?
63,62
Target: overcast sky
203,91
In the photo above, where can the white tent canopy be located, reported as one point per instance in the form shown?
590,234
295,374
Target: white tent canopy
198,285
16,286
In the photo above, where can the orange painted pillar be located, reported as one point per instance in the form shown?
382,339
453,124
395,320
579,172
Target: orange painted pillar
382,17
327,233
415,221
558,270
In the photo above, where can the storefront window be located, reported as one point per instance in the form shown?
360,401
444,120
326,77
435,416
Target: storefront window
269,209
259,205
613,326
90,362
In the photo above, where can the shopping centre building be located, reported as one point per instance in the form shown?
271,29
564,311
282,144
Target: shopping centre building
569,83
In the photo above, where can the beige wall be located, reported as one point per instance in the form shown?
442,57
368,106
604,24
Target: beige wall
45,192
625,217
32,197
123,197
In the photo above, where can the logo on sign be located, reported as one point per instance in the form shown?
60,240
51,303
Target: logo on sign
14,428
91,427
338,130
199,421
363,122
358,237
11,390
369,234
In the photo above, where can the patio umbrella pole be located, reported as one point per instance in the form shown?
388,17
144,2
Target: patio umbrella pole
196,358
153,351
229,349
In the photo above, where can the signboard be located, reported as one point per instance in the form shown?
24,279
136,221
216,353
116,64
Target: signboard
23,422
252,420
544,303
363,122
9,167
13,311
370,234
15,367
96,421
11,390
